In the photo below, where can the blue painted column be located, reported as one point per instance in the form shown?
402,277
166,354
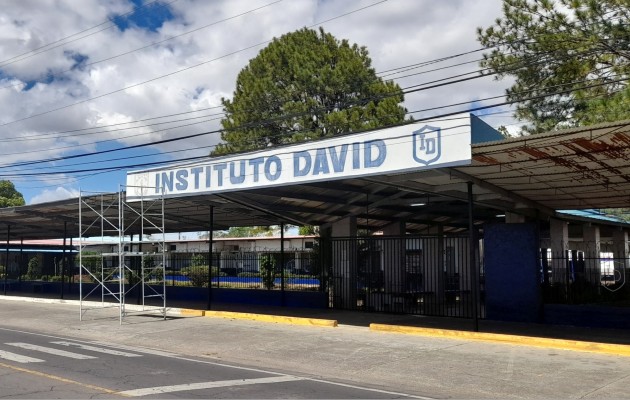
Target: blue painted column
210,244
512,281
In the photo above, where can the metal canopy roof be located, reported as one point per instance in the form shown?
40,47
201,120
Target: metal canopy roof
534,176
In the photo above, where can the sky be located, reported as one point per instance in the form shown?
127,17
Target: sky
79,77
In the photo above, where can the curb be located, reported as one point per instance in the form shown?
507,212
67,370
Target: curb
331,323
562,344
189,312
91,304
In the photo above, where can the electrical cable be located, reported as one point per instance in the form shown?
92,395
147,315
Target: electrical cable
205,133
179,70
35,52
146,46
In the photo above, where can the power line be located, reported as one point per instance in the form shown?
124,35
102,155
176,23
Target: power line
264,122
180,70
46,47
411,89
424,86
151,44
428,62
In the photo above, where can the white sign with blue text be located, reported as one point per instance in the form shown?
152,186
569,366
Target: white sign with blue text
419,146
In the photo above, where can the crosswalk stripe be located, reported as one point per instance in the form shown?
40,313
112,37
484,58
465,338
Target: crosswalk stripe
97,349
18,358
50,350
206,385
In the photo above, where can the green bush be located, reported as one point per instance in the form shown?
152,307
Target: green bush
54,278
92,262
198,260
34,270
45,278
298,276
198,274
248,275
268,270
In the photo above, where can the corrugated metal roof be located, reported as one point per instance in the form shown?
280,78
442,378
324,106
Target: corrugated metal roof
581,168
577,168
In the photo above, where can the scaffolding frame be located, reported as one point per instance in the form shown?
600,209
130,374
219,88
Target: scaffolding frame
127,269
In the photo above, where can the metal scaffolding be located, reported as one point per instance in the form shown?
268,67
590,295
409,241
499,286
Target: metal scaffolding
122,268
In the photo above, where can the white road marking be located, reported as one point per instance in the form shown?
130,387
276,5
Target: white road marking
207,385
389,392
50,350
98,349
18,358
194,360
137,349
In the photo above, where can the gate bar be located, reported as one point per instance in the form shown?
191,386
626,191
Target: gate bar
473,262
6,267
210,234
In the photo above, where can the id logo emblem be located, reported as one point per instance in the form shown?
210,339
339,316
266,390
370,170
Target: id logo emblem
427,144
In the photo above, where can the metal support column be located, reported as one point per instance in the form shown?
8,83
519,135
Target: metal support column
71,261
6,262
474,270
63,256
282,295
210,234
21,262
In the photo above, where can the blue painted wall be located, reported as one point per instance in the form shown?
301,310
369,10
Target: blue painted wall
587,315
512,286
482,132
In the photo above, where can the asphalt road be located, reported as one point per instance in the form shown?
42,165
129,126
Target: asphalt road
249,359
37,365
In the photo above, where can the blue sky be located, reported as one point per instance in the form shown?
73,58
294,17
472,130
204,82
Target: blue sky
75,76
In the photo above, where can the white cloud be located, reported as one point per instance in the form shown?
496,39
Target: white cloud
396,33
59,193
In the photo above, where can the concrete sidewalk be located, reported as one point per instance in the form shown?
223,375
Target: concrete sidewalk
366,319
434,367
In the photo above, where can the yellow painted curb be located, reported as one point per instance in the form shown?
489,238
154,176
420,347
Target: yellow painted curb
563,344
192,313
273,318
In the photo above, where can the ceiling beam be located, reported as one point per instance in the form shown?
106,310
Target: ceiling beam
261,208
505,193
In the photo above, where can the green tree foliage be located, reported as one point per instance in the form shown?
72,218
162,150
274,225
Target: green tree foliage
549,46
308,230
198,260
246,231
9,196
268,270
198,275
307,85
34,269
197,272
92,261
621,213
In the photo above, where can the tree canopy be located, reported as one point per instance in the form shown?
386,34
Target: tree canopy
570,60
307,85
9,196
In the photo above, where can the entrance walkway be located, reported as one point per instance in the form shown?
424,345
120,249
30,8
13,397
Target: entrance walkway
364,319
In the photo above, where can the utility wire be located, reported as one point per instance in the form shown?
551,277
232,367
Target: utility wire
410,89
56,44
480,108
482,71
181,69
478,74
149,45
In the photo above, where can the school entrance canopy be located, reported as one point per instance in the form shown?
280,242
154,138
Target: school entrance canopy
579,168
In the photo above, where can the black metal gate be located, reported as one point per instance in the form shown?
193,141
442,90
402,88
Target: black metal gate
427,275
585,273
